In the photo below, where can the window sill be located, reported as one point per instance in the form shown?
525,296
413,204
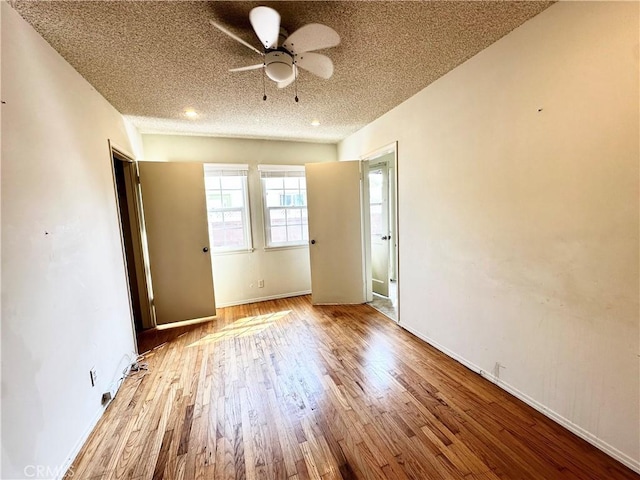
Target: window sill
286,247
232,252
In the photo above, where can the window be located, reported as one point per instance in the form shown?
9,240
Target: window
227,207
376,202
284,194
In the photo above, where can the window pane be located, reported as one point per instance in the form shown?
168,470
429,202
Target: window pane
294,217
376,219
293,197
278,234
273,198
375,187
231,182
211,183
214,200
295,233
234,237
277,217
215,220
233,219
233,198
291,182
271,183
217,238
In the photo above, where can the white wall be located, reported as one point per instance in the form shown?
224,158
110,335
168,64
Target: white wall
519,227
64,298
235,276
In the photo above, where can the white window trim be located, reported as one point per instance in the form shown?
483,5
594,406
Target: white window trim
281,168
265,235
235,167
286,247
243,167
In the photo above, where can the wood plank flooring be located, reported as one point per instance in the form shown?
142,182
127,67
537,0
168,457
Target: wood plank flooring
285,390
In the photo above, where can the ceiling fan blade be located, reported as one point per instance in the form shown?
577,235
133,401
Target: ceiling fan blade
316,63
248,67
314,36
266,23
235,37
289,80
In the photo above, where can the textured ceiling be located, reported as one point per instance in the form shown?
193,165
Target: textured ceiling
152,60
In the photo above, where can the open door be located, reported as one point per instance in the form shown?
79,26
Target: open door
175,213
334,205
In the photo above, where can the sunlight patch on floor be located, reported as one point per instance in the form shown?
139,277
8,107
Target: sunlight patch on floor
242,328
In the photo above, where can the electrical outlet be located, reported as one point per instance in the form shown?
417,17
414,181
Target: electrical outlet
106,397
93,374
260,283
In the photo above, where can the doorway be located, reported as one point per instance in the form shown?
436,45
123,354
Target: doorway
127,192
382,219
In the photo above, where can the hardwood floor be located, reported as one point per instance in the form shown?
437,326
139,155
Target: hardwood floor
285,390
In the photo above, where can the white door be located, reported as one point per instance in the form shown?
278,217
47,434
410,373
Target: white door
334,205
380,232
175,213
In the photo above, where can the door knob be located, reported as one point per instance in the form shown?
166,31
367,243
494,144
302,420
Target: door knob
385,238
313,242
205,249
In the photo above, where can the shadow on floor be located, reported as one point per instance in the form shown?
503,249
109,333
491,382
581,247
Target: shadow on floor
149,339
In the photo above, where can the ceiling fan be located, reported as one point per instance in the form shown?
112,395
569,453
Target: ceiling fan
283,53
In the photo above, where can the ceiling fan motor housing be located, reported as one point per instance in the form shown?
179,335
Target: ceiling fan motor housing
278,65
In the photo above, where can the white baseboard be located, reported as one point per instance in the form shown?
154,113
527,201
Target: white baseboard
262,299
76,449
113,388
566,423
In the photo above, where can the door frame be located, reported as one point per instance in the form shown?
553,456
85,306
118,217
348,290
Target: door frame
145,291
370,159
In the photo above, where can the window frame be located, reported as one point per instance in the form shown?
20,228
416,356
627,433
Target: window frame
221,170
281,171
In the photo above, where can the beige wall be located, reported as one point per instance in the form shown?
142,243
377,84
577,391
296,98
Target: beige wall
236,275
64,297
518,213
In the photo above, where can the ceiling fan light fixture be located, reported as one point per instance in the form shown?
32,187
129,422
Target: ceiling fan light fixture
278,66
284,54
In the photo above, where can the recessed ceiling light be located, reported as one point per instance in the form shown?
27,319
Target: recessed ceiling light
315,123
190,113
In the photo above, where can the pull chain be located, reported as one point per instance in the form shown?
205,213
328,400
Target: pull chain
264,88
295,81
